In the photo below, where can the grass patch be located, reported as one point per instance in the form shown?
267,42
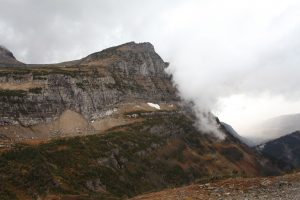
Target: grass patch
12,93
37,90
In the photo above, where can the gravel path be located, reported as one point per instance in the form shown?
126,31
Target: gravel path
275,188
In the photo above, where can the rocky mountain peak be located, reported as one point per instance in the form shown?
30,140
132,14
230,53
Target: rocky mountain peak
139,47
129,58
126,49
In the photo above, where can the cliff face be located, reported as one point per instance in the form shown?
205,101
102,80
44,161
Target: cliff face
99,83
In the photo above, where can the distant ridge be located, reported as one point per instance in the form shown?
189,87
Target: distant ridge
284,151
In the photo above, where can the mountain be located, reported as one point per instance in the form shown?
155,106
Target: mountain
107,126
284,151
277,127
245,140
7,58
47,101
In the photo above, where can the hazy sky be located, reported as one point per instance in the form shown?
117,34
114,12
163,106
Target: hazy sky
239,58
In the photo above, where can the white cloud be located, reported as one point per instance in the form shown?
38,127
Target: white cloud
251,110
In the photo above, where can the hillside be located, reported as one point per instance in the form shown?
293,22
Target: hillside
283,151
107,126
164,150
245,140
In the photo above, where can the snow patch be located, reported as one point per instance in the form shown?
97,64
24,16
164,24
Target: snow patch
153,105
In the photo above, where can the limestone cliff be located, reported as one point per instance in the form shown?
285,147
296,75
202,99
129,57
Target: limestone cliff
98,84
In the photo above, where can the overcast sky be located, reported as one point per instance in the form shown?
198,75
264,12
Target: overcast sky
238,58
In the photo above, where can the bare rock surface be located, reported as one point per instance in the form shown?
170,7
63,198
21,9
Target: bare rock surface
34,96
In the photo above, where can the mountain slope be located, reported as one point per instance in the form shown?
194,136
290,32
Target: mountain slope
236,135
107,126
164,150
284,151
7,58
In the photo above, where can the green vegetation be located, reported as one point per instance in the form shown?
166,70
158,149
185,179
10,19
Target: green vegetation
14,71
37,90
12,93
126,161
40,73
232,153
83,84
6,194
80,85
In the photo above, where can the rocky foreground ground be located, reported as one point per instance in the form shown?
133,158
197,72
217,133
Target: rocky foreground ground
281,187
